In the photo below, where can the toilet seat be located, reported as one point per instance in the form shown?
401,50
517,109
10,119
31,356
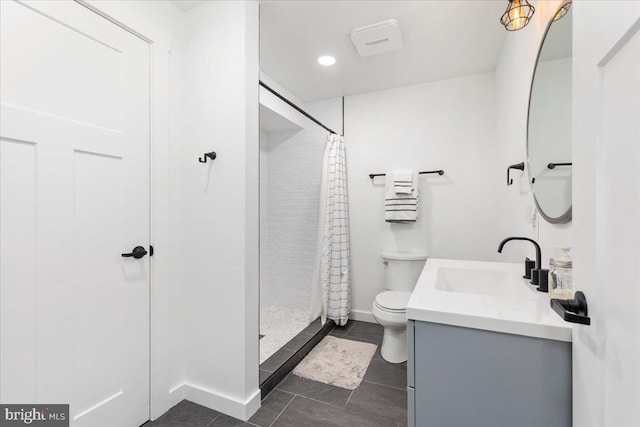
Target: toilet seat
393,301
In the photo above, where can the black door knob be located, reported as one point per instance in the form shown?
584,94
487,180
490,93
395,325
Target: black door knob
138,252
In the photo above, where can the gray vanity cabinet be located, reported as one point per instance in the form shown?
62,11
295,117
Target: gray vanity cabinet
470,377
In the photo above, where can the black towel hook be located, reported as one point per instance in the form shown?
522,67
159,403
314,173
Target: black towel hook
212,155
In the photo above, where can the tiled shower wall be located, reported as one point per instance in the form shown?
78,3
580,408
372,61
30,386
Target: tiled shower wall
290,172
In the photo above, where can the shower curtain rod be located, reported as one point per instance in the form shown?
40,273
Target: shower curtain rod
300,110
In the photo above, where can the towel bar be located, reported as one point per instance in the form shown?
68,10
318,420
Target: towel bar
439,172
553,165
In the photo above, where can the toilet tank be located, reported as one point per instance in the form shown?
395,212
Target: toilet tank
402,270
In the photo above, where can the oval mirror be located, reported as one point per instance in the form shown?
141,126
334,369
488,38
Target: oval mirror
549,122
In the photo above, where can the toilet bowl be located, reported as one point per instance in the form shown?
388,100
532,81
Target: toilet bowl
389,307
389,310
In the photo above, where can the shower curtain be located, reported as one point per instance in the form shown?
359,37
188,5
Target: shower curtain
331,286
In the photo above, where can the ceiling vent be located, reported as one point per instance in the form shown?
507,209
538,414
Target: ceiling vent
378,38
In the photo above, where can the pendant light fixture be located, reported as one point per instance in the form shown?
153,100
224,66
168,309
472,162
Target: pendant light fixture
517,15
562,11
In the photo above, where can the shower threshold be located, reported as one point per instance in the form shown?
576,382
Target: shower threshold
282,362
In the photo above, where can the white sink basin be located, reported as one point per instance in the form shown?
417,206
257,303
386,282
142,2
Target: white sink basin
471,281
484,295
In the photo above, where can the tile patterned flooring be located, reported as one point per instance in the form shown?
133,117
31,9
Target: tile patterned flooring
379,401
282,362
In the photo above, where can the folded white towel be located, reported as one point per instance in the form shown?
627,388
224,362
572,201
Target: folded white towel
401,208
403,181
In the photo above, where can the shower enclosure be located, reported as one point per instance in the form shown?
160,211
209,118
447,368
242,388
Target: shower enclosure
291,156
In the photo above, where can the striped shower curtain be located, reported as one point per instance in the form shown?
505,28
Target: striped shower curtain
332,278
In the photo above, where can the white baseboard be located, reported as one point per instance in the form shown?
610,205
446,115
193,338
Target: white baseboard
362,316
176,395
219,402
163,403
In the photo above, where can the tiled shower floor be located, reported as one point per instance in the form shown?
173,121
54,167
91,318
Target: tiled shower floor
279,325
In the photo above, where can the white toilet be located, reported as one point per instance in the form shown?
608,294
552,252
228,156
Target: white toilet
401,273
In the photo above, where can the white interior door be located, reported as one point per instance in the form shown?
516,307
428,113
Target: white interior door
607,211
74,195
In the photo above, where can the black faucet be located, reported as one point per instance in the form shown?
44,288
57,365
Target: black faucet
539,276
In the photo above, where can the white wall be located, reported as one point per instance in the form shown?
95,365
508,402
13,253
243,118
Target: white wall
264,212
328,112
220,207
446,125
513,80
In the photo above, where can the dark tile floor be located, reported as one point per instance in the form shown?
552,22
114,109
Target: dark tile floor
282,362
379,401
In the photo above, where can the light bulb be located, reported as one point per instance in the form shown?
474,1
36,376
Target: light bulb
326,60
517,15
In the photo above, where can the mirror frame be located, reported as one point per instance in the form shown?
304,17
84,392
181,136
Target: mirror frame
568,215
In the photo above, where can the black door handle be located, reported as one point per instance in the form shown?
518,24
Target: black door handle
138,252
572,310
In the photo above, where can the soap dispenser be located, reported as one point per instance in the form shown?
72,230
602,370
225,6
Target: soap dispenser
560,275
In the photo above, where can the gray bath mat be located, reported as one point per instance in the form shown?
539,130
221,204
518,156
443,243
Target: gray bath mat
338,362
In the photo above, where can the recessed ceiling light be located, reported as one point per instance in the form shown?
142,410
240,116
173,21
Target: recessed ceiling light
326,60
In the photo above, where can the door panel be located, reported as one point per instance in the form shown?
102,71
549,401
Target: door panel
97,274
606,365
74,193
18,280
69,76
619,230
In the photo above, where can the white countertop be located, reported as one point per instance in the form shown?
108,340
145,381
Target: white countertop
491,296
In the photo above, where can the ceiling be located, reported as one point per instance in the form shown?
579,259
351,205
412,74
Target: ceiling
442,39
187,4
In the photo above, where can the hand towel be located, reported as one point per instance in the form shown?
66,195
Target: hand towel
403,181
402,208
